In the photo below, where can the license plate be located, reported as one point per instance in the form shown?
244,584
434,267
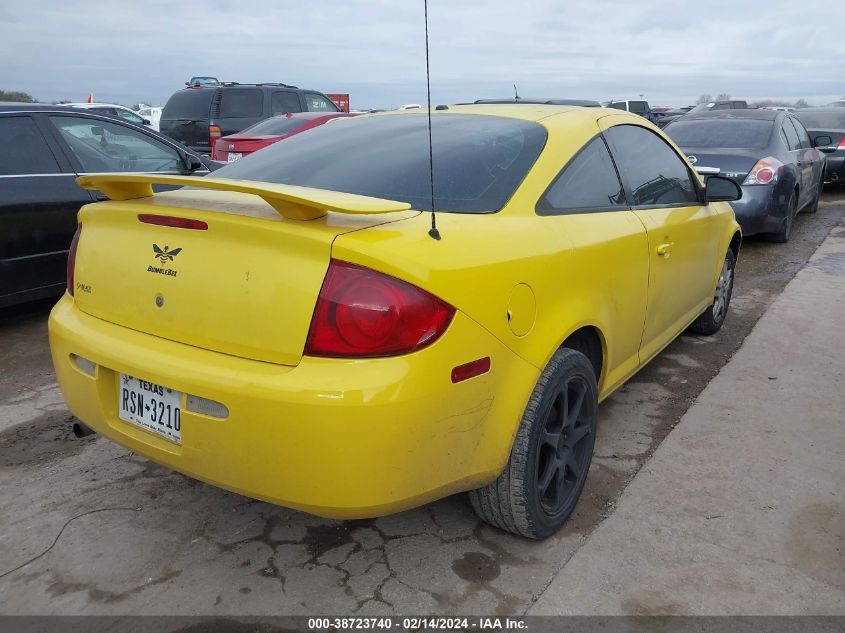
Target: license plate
150,406
233,156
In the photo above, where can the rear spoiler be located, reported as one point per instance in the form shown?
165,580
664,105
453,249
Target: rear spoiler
291,202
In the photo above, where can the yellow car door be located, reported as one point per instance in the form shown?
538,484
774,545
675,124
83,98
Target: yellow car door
606,267
683,232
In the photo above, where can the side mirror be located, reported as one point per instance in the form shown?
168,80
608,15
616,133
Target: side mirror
96,130
145,121
192,163
721,189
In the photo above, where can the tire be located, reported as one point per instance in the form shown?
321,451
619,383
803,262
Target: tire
551,454
782,236
711,320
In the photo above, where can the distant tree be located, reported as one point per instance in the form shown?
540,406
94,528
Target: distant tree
20,97
724,96
801,103
704,98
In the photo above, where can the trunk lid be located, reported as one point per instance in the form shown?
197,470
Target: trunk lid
245,286
733,163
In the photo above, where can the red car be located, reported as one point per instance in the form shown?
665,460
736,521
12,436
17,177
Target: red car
231,148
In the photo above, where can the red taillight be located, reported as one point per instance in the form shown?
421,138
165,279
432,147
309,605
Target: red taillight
842,143
765,172
361,312
765,176
169,220
71,259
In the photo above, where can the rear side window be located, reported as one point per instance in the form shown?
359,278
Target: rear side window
803,137
637,106
479,161
282,102
189,104
618,105
655,174
588,183
241,103
24,149
101,146
318,103
792,140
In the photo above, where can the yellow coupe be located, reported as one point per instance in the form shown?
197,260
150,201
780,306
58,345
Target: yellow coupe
292,328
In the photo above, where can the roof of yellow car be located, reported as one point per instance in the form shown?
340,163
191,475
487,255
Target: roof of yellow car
525,111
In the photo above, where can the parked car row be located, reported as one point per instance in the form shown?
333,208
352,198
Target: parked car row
199,115
768,152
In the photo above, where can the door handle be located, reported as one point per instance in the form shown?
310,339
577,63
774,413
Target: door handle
665,249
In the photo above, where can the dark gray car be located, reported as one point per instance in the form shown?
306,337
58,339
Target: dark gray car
824,124
768,153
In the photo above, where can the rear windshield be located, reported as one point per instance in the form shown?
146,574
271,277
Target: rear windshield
193,104
822,120
276,125
479,161
728,133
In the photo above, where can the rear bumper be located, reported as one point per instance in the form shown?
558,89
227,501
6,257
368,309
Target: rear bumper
337,438
762,209
834,169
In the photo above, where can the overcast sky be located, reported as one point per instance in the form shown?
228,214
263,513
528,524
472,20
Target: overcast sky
671,51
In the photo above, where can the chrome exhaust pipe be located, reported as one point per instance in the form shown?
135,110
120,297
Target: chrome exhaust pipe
80,430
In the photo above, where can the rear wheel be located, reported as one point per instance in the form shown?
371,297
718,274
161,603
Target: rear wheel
551,454
782,236
711,320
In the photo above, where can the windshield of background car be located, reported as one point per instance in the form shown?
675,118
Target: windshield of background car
822,120
274,126
729,133
192,103
479,161
702,107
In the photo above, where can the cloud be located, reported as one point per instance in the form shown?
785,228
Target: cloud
671,52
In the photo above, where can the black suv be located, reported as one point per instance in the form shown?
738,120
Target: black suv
196,115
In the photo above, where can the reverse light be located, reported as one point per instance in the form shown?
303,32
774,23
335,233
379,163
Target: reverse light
71,260
85,365
364,313
212,408
765,172
169,220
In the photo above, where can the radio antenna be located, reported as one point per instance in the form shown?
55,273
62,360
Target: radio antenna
433,232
